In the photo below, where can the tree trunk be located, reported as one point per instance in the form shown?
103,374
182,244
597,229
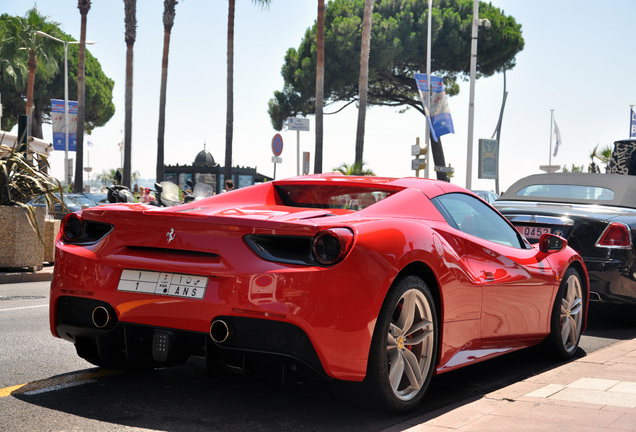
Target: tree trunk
229,122
128,106
36,122
32,63
168,21
320,84
131,34
364,79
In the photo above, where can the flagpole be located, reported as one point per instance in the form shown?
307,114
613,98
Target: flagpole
428,93
551,134
631,113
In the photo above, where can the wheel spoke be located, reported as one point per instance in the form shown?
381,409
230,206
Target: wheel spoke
416,340
412,370
407,313
396,370
576,308
574,330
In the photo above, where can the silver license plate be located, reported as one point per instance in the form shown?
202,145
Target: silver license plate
169,284
533,232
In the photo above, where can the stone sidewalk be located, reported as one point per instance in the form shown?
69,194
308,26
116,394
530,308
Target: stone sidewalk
594,393
23,275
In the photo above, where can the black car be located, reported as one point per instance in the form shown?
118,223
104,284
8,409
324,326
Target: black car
489,196
595,213
73,203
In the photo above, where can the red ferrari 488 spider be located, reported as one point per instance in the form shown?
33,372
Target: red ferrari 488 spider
380,281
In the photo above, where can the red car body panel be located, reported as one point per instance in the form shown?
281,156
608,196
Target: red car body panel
493,298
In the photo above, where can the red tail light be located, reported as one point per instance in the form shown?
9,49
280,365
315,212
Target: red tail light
331,245
616,235
72,228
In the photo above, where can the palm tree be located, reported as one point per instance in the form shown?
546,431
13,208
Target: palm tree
78,186
12,71
22,30
355,169
605,156
130,9
229,121
168,22
320,83
364,77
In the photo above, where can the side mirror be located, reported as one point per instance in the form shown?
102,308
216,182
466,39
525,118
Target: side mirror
549,243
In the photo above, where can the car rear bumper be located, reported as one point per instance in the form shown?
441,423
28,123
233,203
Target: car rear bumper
612,281
99,337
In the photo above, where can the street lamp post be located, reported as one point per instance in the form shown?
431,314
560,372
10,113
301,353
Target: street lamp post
471,104
67,135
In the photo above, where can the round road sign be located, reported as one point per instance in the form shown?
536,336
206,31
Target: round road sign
277,145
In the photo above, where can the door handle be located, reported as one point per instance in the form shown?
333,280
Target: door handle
488,276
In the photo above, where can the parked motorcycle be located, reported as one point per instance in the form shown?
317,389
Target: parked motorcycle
118,193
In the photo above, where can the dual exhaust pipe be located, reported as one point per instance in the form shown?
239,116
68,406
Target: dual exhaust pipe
220,330
100,317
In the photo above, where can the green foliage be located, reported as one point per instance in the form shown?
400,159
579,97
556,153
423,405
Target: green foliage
49,80
604,156
355,169
574,169
22,179
109,177
398,50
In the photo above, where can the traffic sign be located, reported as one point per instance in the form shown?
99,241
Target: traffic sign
298,124
417,164
277,145
444,169
277,159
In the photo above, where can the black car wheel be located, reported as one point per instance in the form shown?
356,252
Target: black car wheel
567,316
404,347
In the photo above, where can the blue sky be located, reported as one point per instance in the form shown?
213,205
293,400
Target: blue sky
578,60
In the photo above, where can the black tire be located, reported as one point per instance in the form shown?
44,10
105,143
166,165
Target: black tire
567,317
404,347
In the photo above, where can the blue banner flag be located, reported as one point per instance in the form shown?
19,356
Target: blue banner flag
59,124
438,113
632,124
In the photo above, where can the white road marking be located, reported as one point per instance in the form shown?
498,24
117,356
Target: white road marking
23,307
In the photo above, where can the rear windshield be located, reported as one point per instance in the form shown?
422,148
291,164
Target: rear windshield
332,196
568,191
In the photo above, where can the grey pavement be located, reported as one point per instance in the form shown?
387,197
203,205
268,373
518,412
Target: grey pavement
593,393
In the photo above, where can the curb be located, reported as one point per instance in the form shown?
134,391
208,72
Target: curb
19,276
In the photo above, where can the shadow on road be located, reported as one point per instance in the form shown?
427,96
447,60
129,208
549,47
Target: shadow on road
187,399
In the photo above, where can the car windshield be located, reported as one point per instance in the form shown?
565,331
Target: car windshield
580,192
332,196
79,200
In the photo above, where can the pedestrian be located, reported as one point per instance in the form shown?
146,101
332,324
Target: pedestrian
147,197
229,185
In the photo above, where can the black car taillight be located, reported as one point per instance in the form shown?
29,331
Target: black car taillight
76,230
616,235
328,247
331,246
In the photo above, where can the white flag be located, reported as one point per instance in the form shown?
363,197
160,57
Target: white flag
557,138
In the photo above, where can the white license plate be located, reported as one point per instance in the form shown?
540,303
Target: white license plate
533,232
169,284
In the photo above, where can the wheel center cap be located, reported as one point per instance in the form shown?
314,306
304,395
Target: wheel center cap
400,342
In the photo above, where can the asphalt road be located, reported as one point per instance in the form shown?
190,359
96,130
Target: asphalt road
65,393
